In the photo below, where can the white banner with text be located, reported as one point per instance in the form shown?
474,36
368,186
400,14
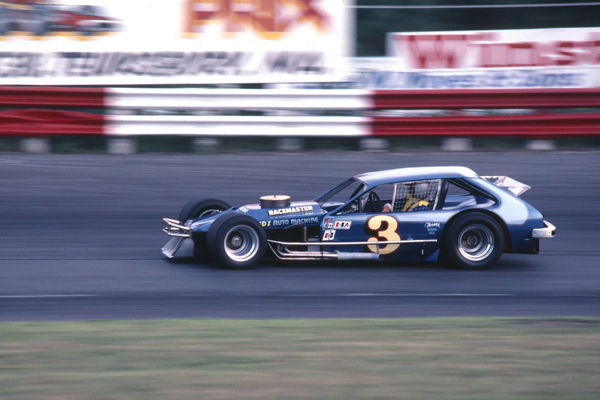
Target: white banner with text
116,42
384,73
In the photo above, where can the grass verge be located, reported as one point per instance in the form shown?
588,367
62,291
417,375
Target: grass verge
453,358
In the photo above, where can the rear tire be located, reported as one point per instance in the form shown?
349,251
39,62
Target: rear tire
236,241
472,241
198,208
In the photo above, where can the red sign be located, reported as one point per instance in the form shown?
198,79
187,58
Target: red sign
497,49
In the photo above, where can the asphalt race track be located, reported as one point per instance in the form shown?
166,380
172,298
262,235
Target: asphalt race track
80,239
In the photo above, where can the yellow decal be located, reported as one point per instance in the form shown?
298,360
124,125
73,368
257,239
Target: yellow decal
384,227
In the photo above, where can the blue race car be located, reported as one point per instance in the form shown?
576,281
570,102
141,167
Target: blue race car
430,214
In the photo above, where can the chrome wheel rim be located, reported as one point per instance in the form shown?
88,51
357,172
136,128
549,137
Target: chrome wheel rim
241,243
476,242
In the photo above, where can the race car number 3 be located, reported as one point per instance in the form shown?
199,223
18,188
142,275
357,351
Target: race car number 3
384,228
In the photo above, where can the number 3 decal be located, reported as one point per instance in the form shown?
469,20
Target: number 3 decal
384,227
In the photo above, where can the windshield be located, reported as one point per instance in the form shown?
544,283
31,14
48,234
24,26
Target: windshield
342,192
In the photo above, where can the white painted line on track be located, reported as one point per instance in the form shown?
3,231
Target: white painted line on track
424,295
45,296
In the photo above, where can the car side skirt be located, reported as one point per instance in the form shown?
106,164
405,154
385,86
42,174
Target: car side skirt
314,250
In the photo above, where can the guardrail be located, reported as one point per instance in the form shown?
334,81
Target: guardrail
45,96
486,98
38,111
238,99
529,126
280,126
44,122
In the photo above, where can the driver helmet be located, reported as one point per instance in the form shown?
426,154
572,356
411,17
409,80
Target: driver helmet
421,189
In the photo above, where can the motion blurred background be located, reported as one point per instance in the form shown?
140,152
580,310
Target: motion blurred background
289,96
211,75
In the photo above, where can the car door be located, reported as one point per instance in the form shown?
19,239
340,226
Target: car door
390,212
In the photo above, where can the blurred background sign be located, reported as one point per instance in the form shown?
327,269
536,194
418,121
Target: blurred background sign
115,42
496,48
516,58
388,73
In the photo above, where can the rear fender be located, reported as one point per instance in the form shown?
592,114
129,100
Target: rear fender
507,241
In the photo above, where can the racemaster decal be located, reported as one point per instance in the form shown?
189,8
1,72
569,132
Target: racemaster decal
290,210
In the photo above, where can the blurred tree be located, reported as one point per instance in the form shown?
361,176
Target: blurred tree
373,24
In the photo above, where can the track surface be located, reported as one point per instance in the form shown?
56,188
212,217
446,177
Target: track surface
80,239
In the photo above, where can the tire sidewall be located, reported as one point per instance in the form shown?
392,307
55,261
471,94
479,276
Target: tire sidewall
215,240
193,208
450,253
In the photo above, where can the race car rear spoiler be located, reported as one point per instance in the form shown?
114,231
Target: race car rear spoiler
515,187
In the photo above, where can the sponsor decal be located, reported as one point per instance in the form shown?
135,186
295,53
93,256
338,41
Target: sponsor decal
328,223
329,234
343,225
243,209
280,222
291,210
432,227
306,220
289,221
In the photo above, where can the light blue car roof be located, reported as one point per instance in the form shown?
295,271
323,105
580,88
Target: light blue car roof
416,173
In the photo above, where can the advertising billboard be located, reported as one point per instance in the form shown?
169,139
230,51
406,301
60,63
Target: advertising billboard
118,42
385,73
516,48
522,58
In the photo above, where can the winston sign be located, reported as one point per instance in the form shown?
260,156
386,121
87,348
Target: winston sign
503,59
496,49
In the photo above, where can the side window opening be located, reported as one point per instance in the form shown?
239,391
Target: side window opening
416,195
458,197
340,194
397,197
350,208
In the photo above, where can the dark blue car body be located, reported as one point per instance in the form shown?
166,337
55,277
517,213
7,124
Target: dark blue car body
360,227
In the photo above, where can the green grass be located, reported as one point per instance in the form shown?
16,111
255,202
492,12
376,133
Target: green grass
454,358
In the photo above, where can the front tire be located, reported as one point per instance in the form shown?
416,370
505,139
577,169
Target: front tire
198,208
473,241
236,241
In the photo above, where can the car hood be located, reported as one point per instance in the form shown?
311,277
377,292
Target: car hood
296,213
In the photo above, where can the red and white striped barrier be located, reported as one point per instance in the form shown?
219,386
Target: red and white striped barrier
240,99
42,111
281,112
135,125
